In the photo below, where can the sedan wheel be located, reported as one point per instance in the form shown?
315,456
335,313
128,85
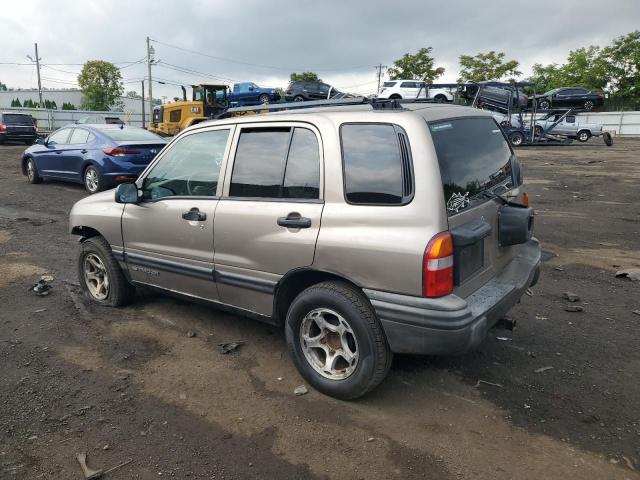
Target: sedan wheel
91,180
96,277
584,135
298,98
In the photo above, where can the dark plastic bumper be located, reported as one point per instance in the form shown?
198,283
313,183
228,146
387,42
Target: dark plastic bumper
453,325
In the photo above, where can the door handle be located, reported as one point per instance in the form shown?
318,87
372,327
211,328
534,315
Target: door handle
294,220
58,152
194,215
84,151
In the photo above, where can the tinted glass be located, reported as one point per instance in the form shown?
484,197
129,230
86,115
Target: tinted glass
302,176
191,167
59,137
17,119
408,85
372,164
388,84
78,136
475,161
259,164
571,119
127,134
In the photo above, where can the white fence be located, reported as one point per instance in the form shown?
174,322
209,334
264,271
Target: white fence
49,120
622,123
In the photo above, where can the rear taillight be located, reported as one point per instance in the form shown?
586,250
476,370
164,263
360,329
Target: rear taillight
3,127
437,268
119,151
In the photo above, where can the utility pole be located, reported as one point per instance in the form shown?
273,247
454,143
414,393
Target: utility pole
379,69
37,62
144,125
150,52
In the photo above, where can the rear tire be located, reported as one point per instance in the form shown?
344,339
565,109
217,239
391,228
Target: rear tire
440,99
264,99
92,180
97,266
608,139
32,171
358,336
298,98
584,135
588,105
544,104
395,96
516,138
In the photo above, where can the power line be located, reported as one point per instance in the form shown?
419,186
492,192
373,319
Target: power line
288,69
190,71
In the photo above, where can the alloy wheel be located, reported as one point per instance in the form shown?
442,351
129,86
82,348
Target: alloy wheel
31,170
96,277
91,180
329,344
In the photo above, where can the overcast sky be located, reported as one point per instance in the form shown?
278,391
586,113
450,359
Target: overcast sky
263,41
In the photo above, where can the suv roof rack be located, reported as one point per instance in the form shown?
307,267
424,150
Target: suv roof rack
376,104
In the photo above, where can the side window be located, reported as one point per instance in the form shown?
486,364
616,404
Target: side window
377,164
276,163
59,138
91,137
175,115
78,136
191,167
570,119
302,172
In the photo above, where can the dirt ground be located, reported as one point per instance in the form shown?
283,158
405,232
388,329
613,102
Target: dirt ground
131,384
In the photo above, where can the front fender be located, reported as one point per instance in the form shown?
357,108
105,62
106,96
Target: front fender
98,212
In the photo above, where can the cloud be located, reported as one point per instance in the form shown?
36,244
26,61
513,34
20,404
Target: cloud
342,41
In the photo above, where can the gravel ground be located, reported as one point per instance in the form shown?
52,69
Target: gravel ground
556,398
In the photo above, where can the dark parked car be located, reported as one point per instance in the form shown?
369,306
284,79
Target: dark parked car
98,156
569,97
18,127
300,91
494,94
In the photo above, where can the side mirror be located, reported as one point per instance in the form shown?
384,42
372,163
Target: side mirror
127,193
251,89
40,141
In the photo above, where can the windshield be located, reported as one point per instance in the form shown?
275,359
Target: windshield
551,92
128,134
474,159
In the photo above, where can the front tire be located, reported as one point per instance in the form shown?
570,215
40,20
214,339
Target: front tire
298,98
92,180
440,99
32,171
101,278
544,104
588,105
584,135
516,138
336,340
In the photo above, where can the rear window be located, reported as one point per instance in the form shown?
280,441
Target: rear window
388,84
17,119
127,134
475,161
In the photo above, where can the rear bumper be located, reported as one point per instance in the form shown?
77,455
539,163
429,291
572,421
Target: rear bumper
450,324
18,136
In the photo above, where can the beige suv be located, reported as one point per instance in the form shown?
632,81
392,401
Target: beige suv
362,231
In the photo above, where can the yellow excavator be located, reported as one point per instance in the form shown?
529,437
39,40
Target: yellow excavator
209,101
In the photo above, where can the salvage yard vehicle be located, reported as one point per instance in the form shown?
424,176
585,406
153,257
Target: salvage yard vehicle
17,127
98,156
569,126
367,231
248,93
568,97
411,89
303,91
209,100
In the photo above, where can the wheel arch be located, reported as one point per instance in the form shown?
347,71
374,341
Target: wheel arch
23,163
85,232
294,282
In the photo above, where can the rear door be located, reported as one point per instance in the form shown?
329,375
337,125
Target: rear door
475,164
168,236
409,89
268,220
73,156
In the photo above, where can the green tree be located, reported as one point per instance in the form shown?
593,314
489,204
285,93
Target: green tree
487,66
417,66
304,77
622,58
101,85
68,106
16,103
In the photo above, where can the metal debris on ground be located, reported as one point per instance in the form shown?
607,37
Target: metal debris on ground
300,390
571,297
637,312
573,308
40,310
488,383
542,369
47,278
229,347
540,317
559,269
632,274
41,288
504,339
529,292
191,334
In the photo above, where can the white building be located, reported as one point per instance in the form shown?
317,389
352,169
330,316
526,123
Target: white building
131,105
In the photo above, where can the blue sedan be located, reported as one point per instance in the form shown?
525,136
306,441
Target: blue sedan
98,156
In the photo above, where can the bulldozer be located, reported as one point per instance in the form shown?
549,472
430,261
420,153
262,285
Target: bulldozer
209,101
